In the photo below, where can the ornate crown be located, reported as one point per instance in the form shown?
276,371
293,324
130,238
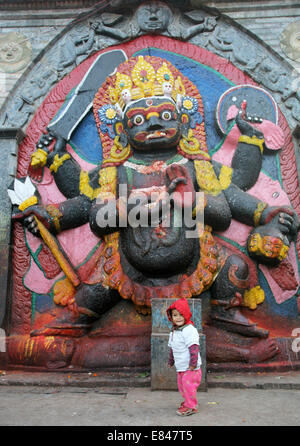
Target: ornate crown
144,81
144,77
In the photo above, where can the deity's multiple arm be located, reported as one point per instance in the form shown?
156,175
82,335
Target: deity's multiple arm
217,213
274,227
246,165
247,159
70,180
230,201
245,169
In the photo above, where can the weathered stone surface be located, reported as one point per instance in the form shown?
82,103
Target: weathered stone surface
15,52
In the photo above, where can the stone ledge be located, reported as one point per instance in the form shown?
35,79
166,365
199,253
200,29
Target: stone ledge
48,4
75,379
259,380
122,380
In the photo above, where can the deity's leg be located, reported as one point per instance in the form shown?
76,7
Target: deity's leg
221,347
91,301
227,296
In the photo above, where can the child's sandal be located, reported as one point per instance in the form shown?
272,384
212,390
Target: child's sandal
185,411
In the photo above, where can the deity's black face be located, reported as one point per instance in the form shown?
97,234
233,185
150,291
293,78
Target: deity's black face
153,17
152,123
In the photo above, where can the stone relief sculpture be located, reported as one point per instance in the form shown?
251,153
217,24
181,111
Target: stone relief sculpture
154,133
210,32
290,41
151,122
15,52
23,105
20,110
77,43
157,17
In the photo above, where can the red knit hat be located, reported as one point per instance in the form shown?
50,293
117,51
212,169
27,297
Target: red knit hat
182,306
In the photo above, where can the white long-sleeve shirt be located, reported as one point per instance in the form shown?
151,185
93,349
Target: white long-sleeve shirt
179,341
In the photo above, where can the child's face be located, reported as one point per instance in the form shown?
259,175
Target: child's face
177,318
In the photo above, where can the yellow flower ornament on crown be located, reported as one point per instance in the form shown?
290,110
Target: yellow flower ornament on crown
136,79
147,82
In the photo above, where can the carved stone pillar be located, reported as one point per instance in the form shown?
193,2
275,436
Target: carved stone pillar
9,142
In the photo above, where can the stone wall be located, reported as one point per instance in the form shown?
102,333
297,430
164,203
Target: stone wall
36,29
266,19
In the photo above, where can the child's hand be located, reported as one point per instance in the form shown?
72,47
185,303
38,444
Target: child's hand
170,365
191,367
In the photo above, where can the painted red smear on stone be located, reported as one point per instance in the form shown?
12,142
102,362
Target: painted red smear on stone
278,326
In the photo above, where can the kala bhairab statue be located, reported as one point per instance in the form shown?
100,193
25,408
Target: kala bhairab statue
156,170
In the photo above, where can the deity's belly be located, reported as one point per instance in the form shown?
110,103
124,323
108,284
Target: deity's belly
158,251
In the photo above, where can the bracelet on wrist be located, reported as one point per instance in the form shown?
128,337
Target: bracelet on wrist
258,212
31,201
253,140
58,161
55,215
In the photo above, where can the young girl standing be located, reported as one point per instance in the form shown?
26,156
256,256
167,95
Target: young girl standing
184,353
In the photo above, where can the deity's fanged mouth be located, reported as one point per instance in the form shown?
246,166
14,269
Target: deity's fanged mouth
148,136
156,135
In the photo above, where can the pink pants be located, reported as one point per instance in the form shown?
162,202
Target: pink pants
188,383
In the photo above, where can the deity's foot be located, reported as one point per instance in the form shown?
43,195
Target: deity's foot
234,321
72,332
88,304
67,324
262,351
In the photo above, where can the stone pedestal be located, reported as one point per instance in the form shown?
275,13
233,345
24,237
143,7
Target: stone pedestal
163,377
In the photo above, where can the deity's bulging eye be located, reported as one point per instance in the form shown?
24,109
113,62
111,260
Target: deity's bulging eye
138,119
166,115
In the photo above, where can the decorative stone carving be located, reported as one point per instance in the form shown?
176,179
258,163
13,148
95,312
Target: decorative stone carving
39,85
158,18
198,26
221,41
257,62
153,17
15,52
18,112
78,42
290,41
94,350
105,26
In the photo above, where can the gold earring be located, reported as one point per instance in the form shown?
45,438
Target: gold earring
189,144
118,153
